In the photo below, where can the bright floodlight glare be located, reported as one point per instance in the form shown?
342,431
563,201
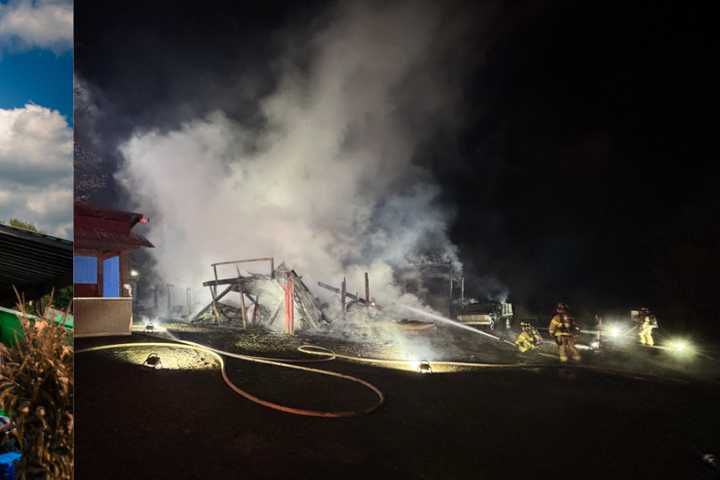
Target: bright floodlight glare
681,347
134,273
614,331
424,367
420,366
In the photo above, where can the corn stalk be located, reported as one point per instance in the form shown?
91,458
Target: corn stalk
36,392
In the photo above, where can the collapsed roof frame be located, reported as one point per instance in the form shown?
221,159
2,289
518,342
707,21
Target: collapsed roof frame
280,281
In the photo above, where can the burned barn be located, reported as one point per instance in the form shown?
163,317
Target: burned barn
278,300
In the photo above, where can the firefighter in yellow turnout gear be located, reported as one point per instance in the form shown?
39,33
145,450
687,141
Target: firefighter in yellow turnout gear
528,339
647,323
563,329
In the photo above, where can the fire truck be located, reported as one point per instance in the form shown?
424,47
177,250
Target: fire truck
487,314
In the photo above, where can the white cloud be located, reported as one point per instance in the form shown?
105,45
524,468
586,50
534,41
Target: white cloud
36,168
36,24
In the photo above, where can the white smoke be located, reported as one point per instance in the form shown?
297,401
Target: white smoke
26,24
328,183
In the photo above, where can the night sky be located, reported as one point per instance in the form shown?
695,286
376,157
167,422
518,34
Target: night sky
581,168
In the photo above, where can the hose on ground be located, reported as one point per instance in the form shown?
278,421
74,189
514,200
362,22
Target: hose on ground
218,355
325,356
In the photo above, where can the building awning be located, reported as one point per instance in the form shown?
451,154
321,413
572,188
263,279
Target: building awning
34,263
100,229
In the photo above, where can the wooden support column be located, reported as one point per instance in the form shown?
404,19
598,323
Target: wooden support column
213,293
188,300
243,312
169,297
342,298
255,310
450,296
290,305
367,289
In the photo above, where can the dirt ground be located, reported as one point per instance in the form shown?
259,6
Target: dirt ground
633,415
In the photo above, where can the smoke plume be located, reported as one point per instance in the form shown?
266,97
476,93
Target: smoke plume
329,181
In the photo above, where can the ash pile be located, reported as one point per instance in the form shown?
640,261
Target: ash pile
278,301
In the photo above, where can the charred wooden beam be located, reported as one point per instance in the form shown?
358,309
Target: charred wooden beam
367,288
228,281
347,295
246,260
212,303
243,312
343,292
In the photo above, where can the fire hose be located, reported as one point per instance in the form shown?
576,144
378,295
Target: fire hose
218,355
326,355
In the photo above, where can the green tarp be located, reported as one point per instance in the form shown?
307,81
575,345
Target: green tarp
10,324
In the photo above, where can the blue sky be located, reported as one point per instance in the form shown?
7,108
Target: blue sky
41,76
36,114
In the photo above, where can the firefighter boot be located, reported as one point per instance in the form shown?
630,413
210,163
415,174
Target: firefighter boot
562,349
575,354
646,337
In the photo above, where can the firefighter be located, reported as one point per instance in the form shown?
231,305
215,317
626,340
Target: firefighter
556,321
648,323
563,328
529,338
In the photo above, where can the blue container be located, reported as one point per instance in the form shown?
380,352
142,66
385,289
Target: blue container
7,465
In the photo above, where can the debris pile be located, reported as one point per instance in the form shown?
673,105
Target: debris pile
279,301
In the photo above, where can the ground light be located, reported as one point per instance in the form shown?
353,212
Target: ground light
420,366
153,361
424,367
681,348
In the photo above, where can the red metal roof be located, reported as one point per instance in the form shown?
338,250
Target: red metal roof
97,228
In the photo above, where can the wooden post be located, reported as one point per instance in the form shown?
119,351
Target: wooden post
255,310
243,313
213,293
290,305
367,289
451,295
188,299
169,299
342,298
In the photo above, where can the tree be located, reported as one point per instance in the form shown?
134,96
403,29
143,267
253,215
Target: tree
17,223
